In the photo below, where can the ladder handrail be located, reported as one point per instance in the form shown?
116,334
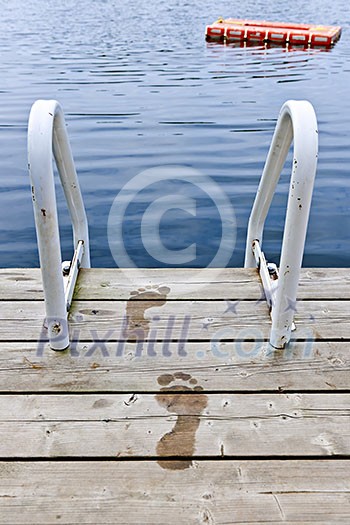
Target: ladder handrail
48,138
296,121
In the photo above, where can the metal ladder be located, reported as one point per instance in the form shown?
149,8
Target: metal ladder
47,138
296,122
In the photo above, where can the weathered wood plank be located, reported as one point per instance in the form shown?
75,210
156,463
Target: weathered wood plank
116,284
229,366
160,319
211,492
176,423
184,283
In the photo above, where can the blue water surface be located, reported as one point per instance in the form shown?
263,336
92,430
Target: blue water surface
141,88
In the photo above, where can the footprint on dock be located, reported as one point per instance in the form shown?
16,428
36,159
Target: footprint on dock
140,300
180,395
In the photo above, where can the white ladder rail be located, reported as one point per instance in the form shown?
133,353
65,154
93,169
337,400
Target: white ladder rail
297,122
48,138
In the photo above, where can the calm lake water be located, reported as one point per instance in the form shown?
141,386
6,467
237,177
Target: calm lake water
141,88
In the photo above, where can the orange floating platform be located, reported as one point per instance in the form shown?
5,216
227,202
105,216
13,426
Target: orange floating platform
236,30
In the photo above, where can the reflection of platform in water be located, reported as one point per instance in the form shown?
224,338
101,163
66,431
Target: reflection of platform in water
236,30
169,406
245,44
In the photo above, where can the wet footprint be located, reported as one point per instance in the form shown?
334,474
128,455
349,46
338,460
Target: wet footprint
180,441
137,326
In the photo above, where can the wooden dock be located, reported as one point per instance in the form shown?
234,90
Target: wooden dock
170,407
